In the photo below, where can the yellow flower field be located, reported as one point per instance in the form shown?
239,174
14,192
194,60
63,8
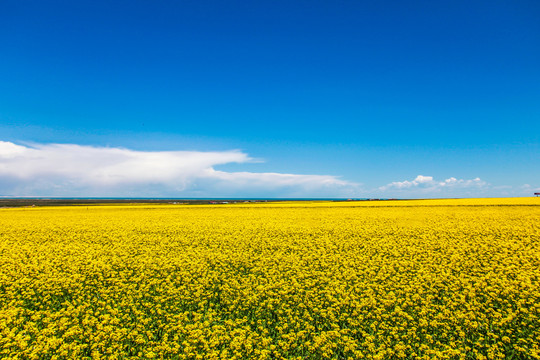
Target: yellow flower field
430,279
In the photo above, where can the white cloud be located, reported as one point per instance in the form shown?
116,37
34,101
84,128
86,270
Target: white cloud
76,170
426,184
526,189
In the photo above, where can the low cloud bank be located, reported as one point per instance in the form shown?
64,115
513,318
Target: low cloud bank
428,183
76,170
426,187
70,170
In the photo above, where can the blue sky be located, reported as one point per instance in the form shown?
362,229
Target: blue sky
270,99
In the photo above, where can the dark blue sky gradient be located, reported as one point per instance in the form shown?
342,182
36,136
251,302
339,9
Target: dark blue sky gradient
375,91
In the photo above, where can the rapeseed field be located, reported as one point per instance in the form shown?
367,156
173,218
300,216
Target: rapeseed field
431,279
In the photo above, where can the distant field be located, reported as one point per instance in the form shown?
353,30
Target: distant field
21,202
418,279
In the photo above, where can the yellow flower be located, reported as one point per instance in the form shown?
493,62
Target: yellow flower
406,279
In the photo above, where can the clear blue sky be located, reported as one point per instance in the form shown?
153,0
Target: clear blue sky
369,93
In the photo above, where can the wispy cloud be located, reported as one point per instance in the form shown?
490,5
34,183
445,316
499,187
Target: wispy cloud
427,184
76,170
527,188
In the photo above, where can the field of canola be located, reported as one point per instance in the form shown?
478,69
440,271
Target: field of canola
434,279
